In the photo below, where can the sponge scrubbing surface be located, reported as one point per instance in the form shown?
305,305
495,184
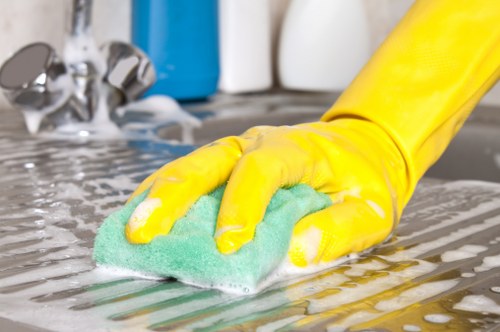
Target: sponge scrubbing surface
189,252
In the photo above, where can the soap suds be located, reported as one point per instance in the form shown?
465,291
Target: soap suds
401,301
374,287
415,294
468,274
454,219
165,110
115,271
495,289
461,233
489,263
285,271
464,252
437,318
356,270
478,303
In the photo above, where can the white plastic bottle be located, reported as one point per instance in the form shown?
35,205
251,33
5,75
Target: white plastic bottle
323,44
244,45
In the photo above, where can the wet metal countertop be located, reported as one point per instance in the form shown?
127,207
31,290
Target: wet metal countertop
441,270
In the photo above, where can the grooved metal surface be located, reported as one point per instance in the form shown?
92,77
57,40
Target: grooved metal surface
56,193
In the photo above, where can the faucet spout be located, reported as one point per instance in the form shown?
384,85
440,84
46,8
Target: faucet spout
80,17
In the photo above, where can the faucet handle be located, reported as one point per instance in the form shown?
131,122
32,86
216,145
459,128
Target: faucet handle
35,79
129,70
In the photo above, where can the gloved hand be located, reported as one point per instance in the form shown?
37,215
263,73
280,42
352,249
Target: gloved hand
353,161
384,132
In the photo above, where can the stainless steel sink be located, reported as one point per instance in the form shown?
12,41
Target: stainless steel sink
473,154
55,193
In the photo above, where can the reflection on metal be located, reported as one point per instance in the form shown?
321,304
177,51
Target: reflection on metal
128,69
56,193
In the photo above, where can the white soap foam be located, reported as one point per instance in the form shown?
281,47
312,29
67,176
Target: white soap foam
464,252
463,216
437,318
164,109
295,290
114,271
83,48
461,233
489,263
156,104
468,274
415,294
495,289
356,270
374,287
411,328
285,271
478,303
404,299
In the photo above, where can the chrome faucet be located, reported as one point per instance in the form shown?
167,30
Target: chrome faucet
52,91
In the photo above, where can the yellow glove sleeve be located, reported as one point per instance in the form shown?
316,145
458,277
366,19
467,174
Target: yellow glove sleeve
426,78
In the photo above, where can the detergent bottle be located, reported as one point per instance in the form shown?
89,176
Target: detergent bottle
245,45
323,44
181,38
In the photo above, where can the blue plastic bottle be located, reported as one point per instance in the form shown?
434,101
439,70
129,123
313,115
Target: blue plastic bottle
181,38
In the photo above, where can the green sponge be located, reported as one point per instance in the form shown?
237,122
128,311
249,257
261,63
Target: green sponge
189,252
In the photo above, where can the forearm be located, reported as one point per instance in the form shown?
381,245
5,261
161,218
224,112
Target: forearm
426,78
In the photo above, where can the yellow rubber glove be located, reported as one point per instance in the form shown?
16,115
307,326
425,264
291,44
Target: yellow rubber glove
341,159
388,127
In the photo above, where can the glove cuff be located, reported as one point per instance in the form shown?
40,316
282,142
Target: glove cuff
426,78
